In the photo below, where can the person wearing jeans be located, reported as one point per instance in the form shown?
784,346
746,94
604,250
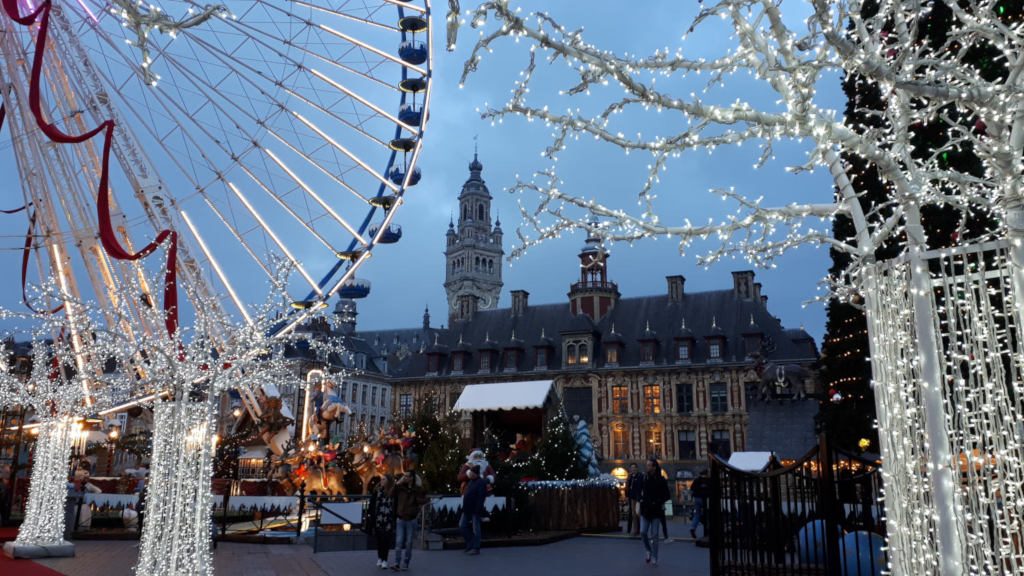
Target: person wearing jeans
409,497
652,507
699,489
404,533
472,510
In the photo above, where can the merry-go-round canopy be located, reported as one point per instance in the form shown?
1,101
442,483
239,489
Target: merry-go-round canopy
504,396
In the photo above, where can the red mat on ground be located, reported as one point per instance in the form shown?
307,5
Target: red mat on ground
22,567
8,534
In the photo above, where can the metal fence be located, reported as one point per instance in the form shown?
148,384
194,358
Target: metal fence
821,514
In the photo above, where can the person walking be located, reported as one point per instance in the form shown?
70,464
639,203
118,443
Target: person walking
699,491
652,507
634,488
381,515
409,497
473,510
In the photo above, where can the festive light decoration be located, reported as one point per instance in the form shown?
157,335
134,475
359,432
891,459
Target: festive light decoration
44,513
176,537
945,345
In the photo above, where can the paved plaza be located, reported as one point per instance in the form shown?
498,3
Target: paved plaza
585,555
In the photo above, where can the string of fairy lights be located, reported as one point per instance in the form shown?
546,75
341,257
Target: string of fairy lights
944,134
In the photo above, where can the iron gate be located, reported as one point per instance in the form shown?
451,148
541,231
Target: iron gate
821,514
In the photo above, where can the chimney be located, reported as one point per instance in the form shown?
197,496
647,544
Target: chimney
743,284
757,291
675,287
764,300
520,300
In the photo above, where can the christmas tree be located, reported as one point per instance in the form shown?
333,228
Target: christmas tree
848,413
557,456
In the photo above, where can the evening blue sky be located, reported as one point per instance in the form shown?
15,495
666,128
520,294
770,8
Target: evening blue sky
409,275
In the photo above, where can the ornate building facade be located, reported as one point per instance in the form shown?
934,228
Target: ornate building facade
674,374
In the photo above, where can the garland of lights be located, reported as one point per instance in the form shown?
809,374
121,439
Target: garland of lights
44,512
176,533
944,336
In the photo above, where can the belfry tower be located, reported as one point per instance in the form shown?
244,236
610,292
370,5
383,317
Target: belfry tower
473,251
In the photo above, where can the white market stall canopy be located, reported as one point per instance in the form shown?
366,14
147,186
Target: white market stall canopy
504,396
750,461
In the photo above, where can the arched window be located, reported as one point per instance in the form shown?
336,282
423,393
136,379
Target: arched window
480,212
570,354
465,212
584,354
477,265
490,266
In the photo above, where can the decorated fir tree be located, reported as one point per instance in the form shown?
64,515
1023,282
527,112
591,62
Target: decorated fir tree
557,456
848,413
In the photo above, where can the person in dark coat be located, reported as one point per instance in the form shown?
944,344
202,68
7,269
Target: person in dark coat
381,518
472,511
652,506
410,496
634,488
699,490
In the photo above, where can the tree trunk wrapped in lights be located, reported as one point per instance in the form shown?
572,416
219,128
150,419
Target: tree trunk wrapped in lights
176,531
44,514
944,324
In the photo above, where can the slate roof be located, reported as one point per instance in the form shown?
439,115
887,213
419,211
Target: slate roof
630,317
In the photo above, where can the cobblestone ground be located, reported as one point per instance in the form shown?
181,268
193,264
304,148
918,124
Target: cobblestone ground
585,555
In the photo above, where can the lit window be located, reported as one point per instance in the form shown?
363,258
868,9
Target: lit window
612,355
684,351
652,399
570,354
620,400
620,442
653,441
584,354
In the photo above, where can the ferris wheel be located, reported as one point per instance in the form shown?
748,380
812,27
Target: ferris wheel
241,138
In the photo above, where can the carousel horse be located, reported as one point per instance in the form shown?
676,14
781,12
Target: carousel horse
319,476
272,425
330,410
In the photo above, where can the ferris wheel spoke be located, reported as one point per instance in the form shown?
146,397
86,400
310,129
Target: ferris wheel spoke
266,226
344,15
216,267
294,177
322,134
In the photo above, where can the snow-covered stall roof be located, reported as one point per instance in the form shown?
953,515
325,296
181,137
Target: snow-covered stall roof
504,396
750,461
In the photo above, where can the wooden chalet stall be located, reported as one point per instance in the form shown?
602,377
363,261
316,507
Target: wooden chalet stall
516,407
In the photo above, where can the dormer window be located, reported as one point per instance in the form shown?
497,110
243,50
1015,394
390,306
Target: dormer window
647,352
485,362
611,355
511,360
577,352
457,363
542,358
432,363
683,352
715,350
361,361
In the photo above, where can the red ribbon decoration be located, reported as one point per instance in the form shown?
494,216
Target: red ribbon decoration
106,230
25,253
